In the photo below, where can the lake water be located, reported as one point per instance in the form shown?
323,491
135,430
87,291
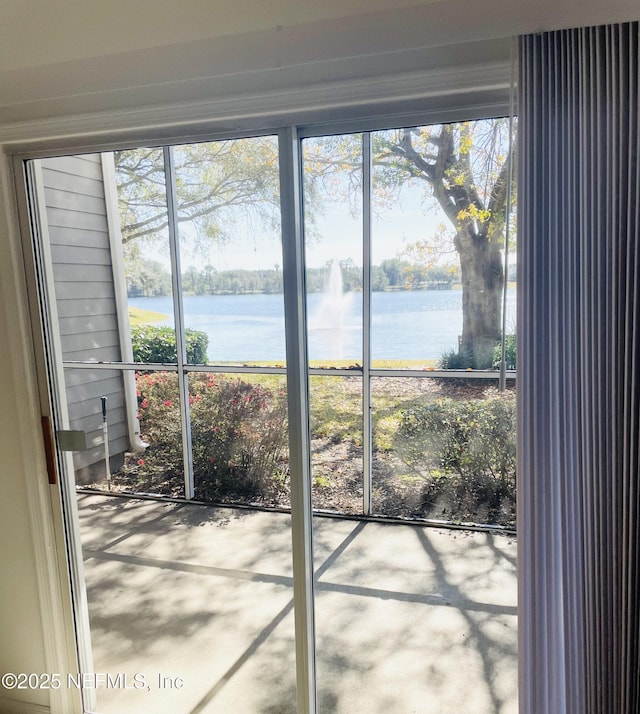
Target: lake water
416,324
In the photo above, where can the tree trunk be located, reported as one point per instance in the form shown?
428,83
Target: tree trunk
482,283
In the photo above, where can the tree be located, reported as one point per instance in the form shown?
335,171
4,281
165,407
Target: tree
209,276
394,270
379,280
466,169
218,184
145,278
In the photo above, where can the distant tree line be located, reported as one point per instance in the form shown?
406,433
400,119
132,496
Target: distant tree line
148,278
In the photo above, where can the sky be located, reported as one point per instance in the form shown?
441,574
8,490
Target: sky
338,237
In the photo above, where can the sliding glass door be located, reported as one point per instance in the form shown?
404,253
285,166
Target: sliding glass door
406,278
275,364
163,275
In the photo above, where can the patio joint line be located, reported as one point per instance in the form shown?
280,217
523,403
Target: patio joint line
134,530
194,568
418,598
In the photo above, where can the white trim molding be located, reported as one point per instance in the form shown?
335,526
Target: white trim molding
482,88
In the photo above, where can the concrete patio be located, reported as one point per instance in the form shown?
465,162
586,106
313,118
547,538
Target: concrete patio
197,601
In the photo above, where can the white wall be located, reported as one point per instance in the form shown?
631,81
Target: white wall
22,648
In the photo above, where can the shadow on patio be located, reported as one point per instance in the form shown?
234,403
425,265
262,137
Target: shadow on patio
408,618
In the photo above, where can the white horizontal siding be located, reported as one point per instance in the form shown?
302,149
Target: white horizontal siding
87,166
99,354
61,181
87,404
89,307
85,272
95,447
76,237
64,218
75,255
84,291
85,295
73,377
76,202
87,342
93,323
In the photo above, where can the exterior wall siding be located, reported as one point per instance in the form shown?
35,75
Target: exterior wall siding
86,305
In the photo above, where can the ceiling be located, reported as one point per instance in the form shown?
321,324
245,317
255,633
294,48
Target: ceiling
72,57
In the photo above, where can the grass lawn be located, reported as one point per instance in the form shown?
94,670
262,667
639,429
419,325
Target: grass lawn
138,316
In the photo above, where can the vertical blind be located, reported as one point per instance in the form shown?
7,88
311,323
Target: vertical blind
579,370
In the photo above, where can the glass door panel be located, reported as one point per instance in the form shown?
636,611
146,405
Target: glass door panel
190,605
231,249
336,443
332,169
398,623
439,200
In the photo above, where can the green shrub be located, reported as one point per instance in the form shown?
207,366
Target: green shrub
456,360
158,344
464,359
239,437
464,448
239,433
509,353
